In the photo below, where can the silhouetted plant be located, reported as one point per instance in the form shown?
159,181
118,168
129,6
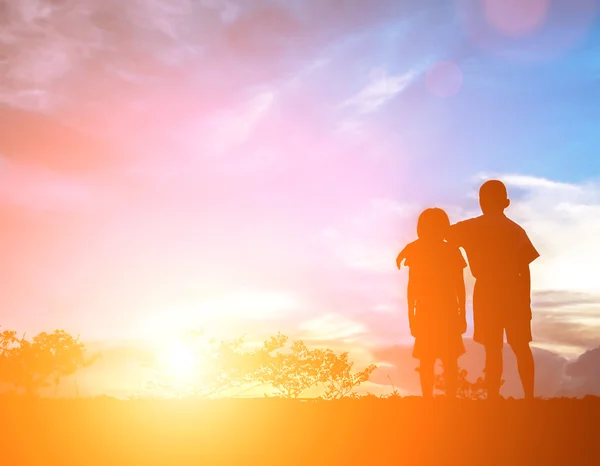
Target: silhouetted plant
394,394
231,367
338,378
294,372
41,362
226,365
465,389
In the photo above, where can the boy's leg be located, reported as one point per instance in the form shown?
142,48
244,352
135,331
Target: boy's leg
493,371
526,367
451,376
519,337
489,331
492,337
426,374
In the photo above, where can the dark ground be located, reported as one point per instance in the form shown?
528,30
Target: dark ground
392,431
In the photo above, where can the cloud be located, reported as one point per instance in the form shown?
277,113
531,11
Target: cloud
42,189
332,327
569,322
48,45
254,304
38,140
567,330
532,182
380,90
371,239
84,48
227,129
584,375
191,77
233,313
228,10
559,300
563,221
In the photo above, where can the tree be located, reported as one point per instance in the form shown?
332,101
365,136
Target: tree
338,378
41,362
229,367
294,372
226,365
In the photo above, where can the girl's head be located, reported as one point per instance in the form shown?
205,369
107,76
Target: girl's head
433,224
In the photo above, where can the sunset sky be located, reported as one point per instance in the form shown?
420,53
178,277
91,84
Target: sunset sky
254,166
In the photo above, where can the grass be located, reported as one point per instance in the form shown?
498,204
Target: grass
391,431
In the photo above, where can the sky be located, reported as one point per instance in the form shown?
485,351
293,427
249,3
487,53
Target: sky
254,166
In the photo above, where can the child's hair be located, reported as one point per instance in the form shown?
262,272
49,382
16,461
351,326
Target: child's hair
433,224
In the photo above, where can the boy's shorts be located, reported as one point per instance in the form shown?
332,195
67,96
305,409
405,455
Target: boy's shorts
497,310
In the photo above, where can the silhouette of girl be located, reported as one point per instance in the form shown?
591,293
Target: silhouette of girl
436,299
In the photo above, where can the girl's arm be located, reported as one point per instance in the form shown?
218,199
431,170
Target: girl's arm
461,297
411,297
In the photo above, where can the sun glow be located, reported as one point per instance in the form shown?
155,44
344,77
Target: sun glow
178,361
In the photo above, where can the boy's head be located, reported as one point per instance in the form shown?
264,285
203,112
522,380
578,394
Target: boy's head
433,224
493,197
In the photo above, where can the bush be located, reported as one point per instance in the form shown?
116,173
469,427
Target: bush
465,389
291,371
300,369
30,365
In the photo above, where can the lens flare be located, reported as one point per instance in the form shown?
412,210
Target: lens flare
516,17
444,79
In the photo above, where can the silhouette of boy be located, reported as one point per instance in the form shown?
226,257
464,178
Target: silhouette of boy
499,253
436,299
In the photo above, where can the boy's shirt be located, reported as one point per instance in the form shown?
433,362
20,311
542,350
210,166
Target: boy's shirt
496,247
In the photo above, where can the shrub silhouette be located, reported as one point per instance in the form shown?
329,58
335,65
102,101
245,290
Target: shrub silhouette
291,371
465,389
339,380
294,372
42,362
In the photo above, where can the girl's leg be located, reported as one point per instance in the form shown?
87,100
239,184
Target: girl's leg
426,369
451,376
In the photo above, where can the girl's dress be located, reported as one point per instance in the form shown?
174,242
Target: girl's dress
434,270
